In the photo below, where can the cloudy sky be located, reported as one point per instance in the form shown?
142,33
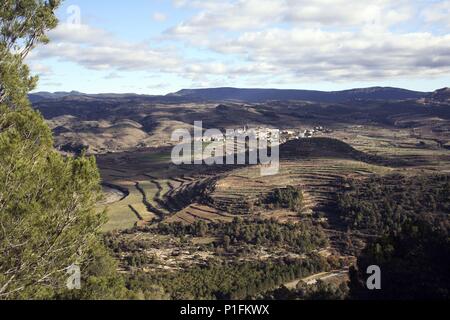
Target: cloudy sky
161,46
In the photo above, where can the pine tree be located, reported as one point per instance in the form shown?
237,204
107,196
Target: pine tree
48,220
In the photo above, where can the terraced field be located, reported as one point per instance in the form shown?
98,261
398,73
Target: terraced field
318,178
154,188
415,149
145,203
159,191
196,212
129,211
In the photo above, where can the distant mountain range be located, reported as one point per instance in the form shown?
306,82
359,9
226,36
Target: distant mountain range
259,95
44,95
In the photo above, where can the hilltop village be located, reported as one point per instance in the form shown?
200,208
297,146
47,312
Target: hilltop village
264,133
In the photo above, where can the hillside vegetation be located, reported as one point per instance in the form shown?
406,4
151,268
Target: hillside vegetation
47,202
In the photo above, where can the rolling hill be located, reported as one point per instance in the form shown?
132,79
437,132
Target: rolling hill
261,95
250,95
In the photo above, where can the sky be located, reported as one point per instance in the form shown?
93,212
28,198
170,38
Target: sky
162,46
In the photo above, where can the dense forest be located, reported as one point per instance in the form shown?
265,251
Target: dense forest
300,237
232,272
382,204
288,198
225,281
407,219
414,264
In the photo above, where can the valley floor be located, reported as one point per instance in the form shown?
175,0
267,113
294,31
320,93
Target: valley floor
157,193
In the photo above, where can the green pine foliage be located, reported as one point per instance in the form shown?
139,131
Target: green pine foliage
408,217
301,237
414,264
23,25
380,205
228,281
288,198
48,219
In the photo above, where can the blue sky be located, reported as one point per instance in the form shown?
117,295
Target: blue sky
161,46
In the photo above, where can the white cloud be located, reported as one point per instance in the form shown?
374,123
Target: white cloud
159,17
239,15
52,84
79,34
438,12
252,14
113,75
345,13
285,40
96,49
326,55
41,69
319,39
